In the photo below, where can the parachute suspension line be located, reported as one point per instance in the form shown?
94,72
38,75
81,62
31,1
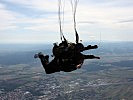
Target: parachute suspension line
61,6
59,11
74,4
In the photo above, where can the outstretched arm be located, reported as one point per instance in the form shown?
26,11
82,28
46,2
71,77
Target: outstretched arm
90,57
90,47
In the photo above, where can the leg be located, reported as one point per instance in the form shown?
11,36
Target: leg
90,57
49,67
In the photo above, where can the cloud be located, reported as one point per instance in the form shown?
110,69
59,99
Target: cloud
44,5
87,22
126,21
41,16
6,18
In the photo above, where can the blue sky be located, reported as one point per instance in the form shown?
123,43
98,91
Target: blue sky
36,21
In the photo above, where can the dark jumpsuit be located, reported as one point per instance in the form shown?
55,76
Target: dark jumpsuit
67,58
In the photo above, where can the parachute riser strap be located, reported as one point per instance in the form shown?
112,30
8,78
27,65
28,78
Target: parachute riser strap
74,9
60,8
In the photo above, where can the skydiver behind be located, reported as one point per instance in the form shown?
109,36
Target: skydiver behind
60,49
66,51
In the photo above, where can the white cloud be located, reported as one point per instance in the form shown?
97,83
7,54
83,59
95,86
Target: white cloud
44,5
105,15
6,18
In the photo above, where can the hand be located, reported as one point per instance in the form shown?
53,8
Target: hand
98,57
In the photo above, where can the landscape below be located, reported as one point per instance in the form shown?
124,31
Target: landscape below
23,78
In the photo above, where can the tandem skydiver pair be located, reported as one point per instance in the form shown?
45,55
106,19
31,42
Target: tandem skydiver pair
67,57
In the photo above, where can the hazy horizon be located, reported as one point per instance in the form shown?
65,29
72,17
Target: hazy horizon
51,43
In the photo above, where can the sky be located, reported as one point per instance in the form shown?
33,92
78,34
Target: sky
36,21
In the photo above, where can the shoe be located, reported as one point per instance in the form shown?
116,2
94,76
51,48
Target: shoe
38,55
